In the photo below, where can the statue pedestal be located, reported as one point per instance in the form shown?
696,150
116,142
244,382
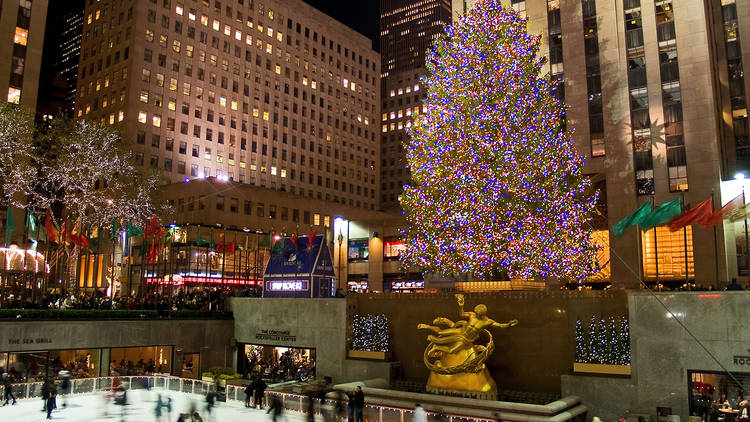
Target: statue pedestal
475,385
479,385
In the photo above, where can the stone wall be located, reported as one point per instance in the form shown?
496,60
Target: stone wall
663,352
529,357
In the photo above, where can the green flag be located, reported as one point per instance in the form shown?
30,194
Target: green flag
633,219
9,226
198,240
133,230
33,227
211,243
265,241
662,214
113,230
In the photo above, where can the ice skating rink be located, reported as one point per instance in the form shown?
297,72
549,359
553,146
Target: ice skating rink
140,408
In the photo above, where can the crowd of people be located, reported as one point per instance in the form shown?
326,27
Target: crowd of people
199,300
292,364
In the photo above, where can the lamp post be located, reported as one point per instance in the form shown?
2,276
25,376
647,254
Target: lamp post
341,241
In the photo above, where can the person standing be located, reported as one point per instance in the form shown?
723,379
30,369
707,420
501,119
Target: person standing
157,410
419,413
8,387
260,391
249,393
48,396
359,404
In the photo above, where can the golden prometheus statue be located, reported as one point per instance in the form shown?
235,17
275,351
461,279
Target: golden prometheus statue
455,362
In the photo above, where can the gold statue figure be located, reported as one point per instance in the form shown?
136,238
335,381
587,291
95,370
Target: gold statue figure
455,362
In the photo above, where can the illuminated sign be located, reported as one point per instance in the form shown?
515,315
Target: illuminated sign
180,280
407,285
287,286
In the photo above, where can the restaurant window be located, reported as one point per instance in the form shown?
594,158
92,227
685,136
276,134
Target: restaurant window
394,249
671,255
358,249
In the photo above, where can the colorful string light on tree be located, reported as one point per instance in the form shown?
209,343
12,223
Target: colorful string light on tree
497,185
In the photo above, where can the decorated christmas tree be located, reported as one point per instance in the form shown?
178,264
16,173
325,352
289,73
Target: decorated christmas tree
594,348
370,332
496,184
624,343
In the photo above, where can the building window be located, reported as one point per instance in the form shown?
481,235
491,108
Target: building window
667,254
358,249
393,249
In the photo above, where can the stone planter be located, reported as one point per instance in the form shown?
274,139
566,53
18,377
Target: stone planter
597,368
366,354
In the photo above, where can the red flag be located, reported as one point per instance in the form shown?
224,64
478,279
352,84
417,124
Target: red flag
697,214
65,235
719,215
229,250
293,239
220,247
52,232
84,241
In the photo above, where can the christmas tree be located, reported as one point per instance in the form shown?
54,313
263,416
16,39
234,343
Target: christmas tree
624,342
496,181
370,332
612,347
594,349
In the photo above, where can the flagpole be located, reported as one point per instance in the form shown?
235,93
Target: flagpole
716,247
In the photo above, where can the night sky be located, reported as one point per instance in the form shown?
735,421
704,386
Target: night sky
360,15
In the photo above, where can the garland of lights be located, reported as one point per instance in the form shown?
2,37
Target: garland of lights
370,333
497,184
606,342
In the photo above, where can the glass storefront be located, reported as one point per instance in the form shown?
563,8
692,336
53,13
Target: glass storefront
717,396
31,366
191,365
276,364
140,360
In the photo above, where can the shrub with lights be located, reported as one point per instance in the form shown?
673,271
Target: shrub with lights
370,333
607,341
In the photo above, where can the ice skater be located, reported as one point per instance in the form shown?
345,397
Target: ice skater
210,404
48,396
249,393
157,409
275,408
260,391
64,386
8,387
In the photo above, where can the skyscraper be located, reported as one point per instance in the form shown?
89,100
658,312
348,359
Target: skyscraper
21,41
407,30
273,94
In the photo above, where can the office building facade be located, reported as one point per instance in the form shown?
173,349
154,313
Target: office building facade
273,94
407,31
21,43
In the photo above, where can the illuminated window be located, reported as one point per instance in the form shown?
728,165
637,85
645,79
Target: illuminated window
191,15
283,172
265,115
235,105
156,120
142,117
223,101
204,20
120,116
227,30
172,104
144,96
668,254
327,221
149,35
273,170
14,95
393,248
316,219
269,49
179,10
216,25
238,35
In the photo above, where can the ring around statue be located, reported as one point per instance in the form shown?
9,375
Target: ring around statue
455,362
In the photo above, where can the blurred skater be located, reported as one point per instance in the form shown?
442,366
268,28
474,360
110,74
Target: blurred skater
64,386
249,393
157,409
419,414
275,408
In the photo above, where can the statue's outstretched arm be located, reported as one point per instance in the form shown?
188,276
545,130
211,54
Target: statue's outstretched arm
443,321
511,323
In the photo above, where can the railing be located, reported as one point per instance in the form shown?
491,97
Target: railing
371,412
93,385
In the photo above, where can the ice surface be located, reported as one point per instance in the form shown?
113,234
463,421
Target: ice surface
140,408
